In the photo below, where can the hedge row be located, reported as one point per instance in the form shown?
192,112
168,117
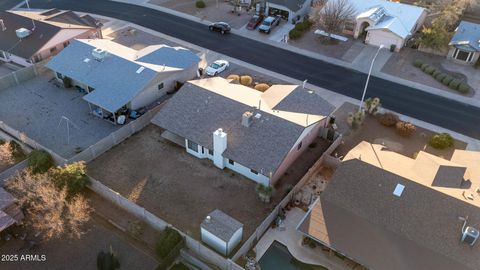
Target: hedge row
443,78
299,29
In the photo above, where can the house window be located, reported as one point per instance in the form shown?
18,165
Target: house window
59,75
462,55
231,162
160,86
349,26
90,89
203,150
192,146
210,152
299,146
53,49
253,171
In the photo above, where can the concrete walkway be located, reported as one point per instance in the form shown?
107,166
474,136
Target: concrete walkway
292,239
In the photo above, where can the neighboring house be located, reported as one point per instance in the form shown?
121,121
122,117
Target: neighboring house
10,212
465,44
116,77
388,211
258,135
288,9
221,232
29,37
381,22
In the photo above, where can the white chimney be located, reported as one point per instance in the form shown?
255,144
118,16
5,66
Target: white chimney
219,146
247,119
98,54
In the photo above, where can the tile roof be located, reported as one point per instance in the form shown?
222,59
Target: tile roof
221,225
467,37
203,106
116,79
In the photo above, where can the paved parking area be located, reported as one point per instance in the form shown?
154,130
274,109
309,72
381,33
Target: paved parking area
36,108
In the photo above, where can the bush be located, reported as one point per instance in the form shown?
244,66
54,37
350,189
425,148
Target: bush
2,142
446,81
200,4
107,261
16,151
424,66
441,141
463,88
67,82
246,80
429,70
294,34
440,77
72,177
417,63
405,129
454,84
167,241
40,161
262,87
388,119
436,73
233,77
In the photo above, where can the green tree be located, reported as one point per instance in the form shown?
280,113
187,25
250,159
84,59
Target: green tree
40,161
72,177
435,37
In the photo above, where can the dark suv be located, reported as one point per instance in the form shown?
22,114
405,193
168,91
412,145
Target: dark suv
221,27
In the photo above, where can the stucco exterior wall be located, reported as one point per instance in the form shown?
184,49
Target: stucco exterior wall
307,137
213,241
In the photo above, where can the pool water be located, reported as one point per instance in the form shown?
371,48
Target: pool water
277,257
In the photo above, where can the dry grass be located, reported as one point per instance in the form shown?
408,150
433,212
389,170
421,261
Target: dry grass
6,159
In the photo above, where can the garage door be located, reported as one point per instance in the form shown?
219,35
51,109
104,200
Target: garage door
276,11
378,38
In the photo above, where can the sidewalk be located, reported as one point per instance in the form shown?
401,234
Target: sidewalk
362,64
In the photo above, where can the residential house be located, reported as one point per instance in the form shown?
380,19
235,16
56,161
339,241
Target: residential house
10,212
387,23
258,135
388,211
29,37
116,77
465,43
290,10
221,232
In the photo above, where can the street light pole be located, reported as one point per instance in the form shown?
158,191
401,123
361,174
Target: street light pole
368,79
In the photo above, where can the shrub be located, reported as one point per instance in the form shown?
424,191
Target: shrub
300,27
262,87
294,34
40,161
107,261
388,119
246,80
440,77
429,70
417,63
454,84
446,81
463,88
67,82
16,151
441,141
424,66
167,241
477,64
200,4
233,77
436,73
2,142
72,177
405,129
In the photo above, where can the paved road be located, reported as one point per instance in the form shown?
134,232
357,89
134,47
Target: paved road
437,110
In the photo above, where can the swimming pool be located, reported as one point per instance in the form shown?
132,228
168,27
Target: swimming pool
277,257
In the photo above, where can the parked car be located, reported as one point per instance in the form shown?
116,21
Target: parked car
255,21
221,27
268,24
216,67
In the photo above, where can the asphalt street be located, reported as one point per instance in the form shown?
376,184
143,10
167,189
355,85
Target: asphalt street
424,106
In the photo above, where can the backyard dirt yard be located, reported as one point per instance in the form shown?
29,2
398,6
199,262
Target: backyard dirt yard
78,254
372,131
6,159
176,186
315,43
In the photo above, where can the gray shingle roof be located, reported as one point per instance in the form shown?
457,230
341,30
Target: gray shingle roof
418,230
467,37
28,46
293,5
115,79
6,199
305,101
170,57
221,225
195,113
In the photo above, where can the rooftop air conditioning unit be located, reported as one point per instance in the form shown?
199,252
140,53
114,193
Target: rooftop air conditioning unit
470,235
99,54
22,32
247,119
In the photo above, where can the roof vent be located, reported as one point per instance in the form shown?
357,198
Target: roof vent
99,54
398,190
140,69
470,235
23,32
208,219
247,119
257,116
2,24
86,60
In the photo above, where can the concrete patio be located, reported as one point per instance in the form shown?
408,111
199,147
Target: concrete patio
292,239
